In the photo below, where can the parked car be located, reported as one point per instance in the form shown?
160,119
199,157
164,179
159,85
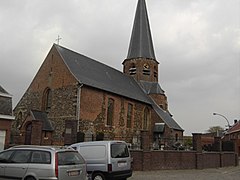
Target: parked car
106,159
28,162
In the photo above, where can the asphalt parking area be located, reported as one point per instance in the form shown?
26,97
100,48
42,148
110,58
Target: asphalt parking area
228,173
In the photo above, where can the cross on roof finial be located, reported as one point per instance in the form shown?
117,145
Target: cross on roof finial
58,39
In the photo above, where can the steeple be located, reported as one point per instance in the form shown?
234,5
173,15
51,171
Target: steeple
141,45
141,62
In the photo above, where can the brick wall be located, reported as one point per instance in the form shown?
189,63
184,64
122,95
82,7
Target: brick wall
160,160
6,126
93,114
53,74
161,100
139,64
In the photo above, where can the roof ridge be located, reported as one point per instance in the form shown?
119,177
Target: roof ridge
73,51
93,73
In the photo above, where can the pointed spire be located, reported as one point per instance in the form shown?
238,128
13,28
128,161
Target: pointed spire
141,44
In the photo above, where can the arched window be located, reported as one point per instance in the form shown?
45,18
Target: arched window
129,115
145,119
110,112
19,119
47,99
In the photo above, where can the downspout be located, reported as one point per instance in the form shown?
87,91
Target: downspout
78,105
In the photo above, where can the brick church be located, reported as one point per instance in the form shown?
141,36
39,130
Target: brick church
74,98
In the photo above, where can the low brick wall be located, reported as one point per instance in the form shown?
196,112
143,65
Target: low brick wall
160,160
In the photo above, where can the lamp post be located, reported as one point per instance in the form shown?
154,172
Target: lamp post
224,118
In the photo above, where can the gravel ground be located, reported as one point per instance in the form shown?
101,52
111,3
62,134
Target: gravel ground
229,173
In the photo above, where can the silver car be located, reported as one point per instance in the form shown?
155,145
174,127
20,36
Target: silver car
29,162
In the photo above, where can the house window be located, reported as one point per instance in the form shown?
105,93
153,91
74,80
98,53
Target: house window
47,99
129,115
145,119
110,111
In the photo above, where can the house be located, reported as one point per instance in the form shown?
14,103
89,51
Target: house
80,99
6,118
233,134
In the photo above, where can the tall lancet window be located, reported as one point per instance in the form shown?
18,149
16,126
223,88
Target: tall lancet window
146,119
47,100
129,115
110,112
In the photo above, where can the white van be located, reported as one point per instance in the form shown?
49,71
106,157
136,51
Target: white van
106,159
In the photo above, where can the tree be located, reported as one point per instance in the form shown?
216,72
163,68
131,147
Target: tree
214,129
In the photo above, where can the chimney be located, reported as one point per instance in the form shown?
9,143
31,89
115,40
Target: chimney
235,121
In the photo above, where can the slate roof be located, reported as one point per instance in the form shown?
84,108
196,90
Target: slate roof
42,116
151,87
235,128
141,44
166,117
95,74
159,127
4,93
3,90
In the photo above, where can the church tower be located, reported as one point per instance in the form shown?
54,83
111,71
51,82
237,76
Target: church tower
141,62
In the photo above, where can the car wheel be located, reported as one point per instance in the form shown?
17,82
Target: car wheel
98,176
30,178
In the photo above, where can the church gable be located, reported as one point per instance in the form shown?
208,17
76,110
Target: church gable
52,83
52,73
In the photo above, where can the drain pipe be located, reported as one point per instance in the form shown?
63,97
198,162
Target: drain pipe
78,105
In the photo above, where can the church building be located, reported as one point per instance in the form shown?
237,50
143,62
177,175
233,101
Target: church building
74,98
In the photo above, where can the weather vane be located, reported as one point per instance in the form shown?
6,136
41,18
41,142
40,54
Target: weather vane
58,39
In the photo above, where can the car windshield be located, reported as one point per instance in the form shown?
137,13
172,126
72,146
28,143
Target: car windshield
69,158
119,150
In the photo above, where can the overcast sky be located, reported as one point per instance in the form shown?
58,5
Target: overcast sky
197,43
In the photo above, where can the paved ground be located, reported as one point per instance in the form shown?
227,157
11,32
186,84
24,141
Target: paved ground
229,173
